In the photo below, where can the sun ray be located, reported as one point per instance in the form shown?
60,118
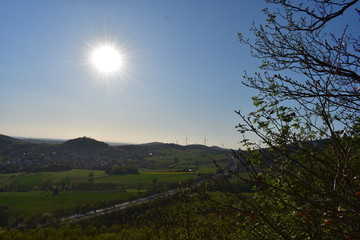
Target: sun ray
107,59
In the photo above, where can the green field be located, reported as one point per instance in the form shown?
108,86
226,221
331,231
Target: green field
31,193
30,199
190,159
33,202
33,181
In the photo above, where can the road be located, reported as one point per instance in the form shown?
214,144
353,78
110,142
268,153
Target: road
102,211
117,207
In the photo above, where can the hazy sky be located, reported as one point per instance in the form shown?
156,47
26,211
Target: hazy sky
182,73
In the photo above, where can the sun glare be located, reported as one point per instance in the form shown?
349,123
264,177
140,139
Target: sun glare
107,59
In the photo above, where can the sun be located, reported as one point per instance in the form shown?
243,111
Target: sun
107,59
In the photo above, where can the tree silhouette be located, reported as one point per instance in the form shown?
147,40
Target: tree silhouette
307,180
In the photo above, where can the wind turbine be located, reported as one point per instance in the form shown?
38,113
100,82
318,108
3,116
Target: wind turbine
205,140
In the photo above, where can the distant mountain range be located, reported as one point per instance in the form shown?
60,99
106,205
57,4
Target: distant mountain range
89,141
9,139
31,155
47,140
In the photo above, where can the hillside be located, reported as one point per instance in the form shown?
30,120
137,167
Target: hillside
88,153
4,138
84,143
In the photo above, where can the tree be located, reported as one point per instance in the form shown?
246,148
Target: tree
91,176
55,190
305,163
4,216
123,169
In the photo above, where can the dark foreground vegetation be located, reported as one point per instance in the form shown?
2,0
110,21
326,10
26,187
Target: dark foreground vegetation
300,179
180,217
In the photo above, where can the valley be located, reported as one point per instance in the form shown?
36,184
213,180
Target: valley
81,176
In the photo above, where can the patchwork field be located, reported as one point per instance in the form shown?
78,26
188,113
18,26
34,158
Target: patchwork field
33,202
163,167
31,197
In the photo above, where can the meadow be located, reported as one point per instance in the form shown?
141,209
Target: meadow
28,195
38,202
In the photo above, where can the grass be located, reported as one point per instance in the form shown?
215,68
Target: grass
170,173
76,175
145,178
32,202
29,199
25,196
189,159
32,181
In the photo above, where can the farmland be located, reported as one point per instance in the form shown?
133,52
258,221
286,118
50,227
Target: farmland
37,181
158,167
31,195
37,202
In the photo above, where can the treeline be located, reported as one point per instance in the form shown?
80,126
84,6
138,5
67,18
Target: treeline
51,168
123,169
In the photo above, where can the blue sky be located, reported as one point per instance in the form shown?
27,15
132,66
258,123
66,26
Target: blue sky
182,74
